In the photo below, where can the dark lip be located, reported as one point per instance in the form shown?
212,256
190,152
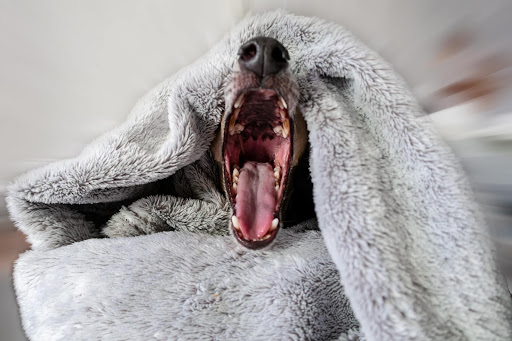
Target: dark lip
256,245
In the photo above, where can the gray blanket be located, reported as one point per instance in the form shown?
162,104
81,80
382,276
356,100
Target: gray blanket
402,255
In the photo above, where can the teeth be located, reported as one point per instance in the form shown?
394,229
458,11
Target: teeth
239,128
267,236
235,188
281,103
277,188
235,222
236,129
236,173
239,101
277,173
286,128
283,114
274,225
278,130
234,117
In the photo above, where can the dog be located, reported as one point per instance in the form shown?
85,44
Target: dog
261,146
255,178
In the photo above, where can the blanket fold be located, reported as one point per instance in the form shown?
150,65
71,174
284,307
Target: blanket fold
406,248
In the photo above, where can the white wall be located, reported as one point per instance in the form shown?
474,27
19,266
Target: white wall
70,70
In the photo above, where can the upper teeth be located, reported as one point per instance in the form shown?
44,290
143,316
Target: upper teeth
236,112
278,130
239,101
283,130
281,103
236,129
232,123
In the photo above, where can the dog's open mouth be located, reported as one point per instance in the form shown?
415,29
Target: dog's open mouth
257,151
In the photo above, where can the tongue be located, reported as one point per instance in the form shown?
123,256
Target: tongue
256,199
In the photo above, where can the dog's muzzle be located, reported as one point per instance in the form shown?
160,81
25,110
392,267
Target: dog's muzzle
257,140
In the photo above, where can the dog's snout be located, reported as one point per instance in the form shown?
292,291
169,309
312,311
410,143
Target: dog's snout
263,56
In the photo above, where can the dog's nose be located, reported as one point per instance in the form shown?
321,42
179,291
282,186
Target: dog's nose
263,56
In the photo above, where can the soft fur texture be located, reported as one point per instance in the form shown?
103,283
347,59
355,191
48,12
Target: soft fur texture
197,287
394,210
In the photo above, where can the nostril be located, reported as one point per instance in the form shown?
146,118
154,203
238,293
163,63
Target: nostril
248,52
278,54
263,56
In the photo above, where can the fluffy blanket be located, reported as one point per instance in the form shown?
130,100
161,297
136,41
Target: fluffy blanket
401,242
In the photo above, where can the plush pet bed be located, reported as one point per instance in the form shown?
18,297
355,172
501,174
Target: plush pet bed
401,252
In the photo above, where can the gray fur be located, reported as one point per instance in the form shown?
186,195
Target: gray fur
394,208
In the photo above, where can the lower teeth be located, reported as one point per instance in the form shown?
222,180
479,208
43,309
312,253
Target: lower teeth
261,239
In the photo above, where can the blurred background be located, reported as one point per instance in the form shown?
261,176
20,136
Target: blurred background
71,70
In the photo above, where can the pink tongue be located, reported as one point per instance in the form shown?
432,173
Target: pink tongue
256,199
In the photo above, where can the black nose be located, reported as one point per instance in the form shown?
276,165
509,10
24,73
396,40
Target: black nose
263,56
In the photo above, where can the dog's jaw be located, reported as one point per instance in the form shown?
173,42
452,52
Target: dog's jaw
261,138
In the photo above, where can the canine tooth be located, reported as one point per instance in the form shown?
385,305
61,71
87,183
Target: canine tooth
239,101
282,102
275,222
235,222
286,128
266,237
236,112
235,188
283,114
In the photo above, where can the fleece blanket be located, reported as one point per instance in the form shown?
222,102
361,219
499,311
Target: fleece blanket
402,252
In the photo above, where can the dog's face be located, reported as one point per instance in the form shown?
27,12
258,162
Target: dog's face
261,138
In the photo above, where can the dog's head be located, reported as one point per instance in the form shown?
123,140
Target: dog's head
261,138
